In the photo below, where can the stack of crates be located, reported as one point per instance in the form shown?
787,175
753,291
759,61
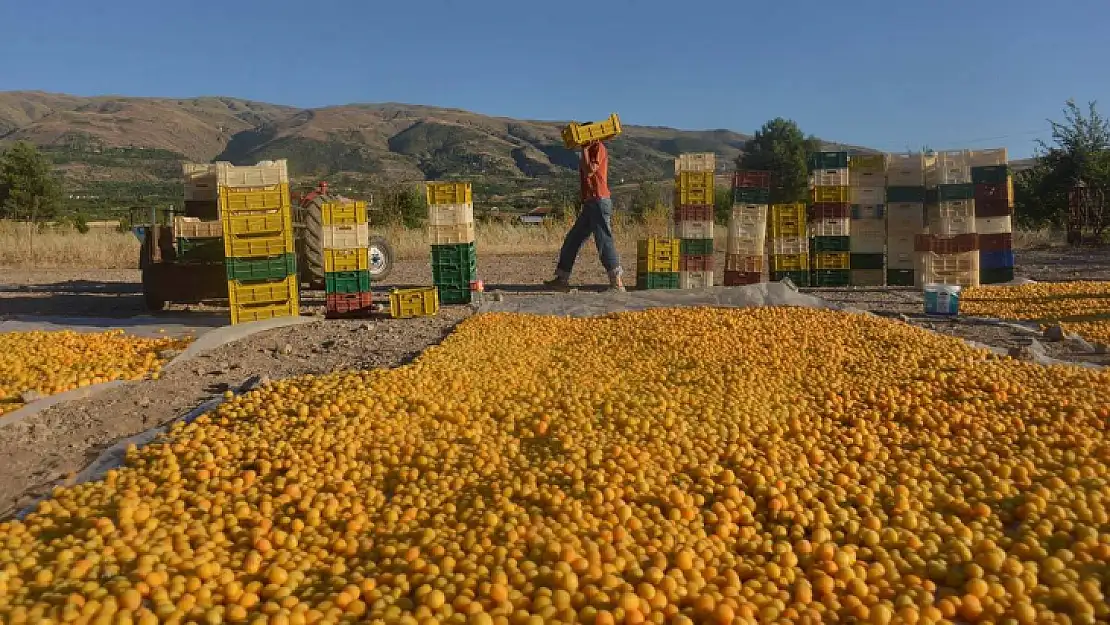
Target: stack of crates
346,259
657,263
948,253
261,262
789,243
829,217
199,240
867,179
747,228
693,218
905,215
451,232
994,212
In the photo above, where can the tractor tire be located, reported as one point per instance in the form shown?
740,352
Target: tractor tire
381,258
310,242
153,298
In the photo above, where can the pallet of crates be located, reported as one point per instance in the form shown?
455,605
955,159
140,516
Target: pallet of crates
867,230
746,244
256,216
346,237
451,230
657,263
789,247
905,215
693,219
994,214
828,218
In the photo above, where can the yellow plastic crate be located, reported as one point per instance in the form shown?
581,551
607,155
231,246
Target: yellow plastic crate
268,292
245,313
788,220
254,246
790,262
235,200
694,187
867,162
346,260
272,222
658,255
839,193
344,213
575,135
418,302
832,260
449,193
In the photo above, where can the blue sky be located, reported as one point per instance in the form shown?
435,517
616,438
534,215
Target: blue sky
887,74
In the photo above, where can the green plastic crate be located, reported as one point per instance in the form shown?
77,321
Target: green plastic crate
830,277
799,278
454,266
990,174
948,192
905,194
899,277
751,196
347,281
695,247
818,245
209,249
996,276
867,261
252,269
646,281
827,160
454,294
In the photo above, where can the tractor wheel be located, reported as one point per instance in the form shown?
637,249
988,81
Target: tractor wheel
381,258
310,242
153,298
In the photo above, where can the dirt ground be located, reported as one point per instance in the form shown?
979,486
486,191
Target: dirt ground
48,448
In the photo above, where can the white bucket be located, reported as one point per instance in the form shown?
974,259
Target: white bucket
942,299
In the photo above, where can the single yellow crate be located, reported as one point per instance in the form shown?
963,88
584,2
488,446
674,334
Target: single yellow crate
254,246
245,313
832,260
576,135
346,260
418,302
236,200
867,162
694,187
788,220
838,193
344,213
268,292
449,193
658,255
272,222
790,262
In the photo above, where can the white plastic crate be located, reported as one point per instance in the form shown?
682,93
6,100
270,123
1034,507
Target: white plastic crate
900,259
749,214
747,246
261,174
905,170
451,235
867,179
350,237
867,195
829,177
695,279
906,217
950,226
950,209
830,228
786,246
450,214
994,225
694,230
747,229
193,228
696,161
200,182
956,269
868,236
985,158
947,174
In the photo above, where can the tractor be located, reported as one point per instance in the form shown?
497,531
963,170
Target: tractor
309,224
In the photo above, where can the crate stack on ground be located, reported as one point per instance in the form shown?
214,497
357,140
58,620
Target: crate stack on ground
905,215
693,218
867,195
657,263
346,259
452,234
261,262
789,247
746,245
994,214
829,219
948,251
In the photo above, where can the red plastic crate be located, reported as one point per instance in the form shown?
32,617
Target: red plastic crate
695,262
742,278
996,207
996,242
348,304
693,212
829,210
751,180
957,244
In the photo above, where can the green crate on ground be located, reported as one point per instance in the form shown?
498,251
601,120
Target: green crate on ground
251,269
905,194
208,249
830,277
868,261
948,192
454,294
695,247
747,195
799,278
899,277
990,174
646,281
454,265
827,160
829,244
996,276
347,281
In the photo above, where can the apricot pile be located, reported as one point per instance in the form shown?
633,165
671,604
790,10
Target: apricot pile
670,466
55,362
1082,308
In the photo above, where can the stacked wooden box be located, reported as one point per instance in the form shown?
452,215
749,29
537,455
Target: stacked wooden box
828,216
905,215
867,194
693,219
346,237
746,244
452,233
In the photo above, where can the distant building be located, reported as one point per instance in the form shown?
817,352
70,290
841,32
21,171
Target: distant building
536,216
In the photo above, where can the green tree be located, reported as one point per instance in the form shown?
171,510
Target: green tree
28,187
403,204
722,204
647,199
781,148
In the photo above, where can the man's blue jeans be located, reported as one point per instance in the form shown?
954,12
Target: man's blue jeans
596,219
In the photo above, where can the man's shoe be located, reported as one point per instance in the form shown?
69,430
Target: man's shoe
557,284
615,288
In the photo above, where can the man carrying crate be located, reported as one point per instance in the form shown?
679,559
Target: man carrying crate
595,219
